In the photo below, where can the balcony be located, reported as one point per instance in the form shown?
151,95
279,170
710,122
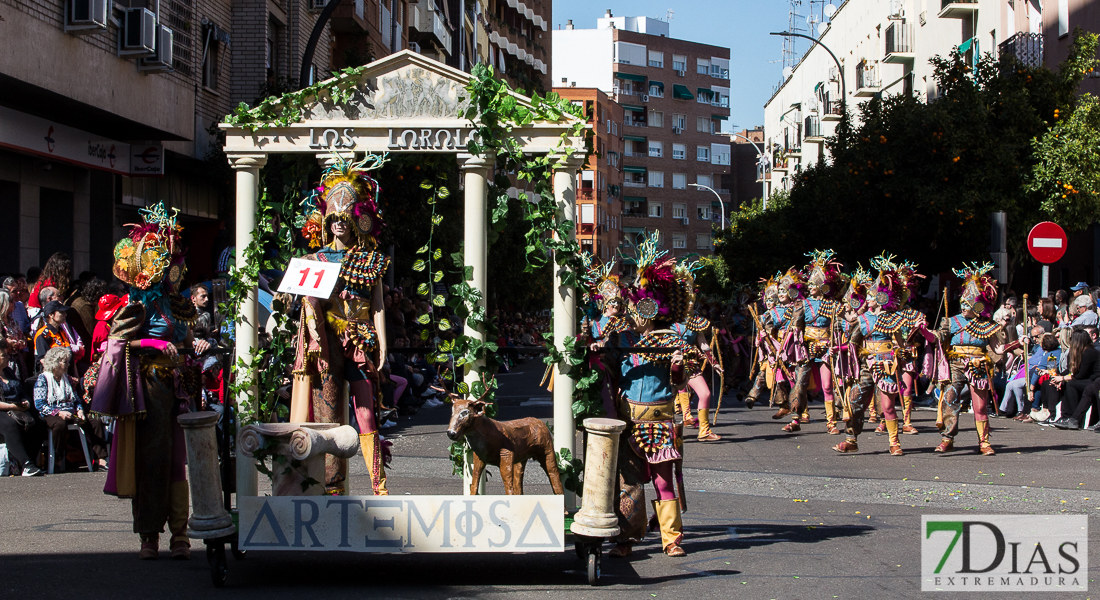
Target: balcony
429,26
634,184
587,194
867,81
811,128
1026,48
957,9
833,111
899,43
586,229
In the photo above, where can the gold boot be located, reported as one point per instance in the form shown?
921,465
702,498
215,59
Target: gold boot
672,528
372,454
907,409
983,438
705,434
683,402
895,441
830,415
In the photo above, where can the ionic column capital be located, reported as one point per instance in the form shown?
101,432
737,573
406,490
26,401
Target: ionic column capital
472,162
246,161
568,161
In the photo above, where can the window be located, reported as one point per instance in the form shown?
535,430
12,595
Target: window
679,181
626,86
702,66
211,67
630,54
678,151
702,241
656,91
679,211
656,59
656,179
706,180
702,212
634,179
678,121
702,124
660,238
702,153
679,62
656,118
655,209
679,240
656,149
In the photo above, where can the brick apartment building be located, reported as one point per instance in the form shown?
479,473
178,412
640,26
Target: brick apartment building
95,124
675,94
745,179
600,185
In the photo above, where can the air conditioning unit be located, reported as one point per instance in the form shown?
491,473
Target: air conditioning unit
85,16
138,34
415,47
677,130
681,73
685,221
162,57
645,97
318,5
834,75
897,10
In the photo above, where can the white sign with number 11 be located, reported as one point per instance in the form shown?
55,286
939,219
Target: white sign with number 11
310,278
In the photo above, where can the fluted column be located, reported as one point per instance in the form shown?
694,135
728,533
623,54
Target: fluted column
248,168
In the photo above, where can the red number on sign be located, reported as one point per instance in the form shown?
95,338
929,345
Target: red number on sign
305,273
320,274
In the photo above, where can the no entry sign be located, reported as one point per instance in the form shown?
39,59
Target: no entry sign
1047,242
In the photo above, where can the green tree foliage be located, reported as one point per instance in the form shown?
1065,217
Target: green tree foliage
919,179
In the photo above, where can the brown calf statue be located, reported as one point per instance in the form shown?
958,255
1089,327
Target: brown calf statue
506,445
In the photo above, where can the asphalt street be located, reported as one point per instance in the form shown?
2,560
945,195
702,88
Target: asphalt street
771,515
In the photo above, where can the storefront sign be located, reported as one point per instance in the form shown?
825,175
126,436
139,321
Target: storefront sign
45,138
408,524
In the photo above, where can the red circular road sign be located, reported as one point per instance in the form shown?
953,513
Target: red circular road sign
1047,242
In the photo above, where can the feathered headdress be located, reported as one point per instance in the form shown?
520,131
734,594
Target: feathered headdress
600,283
793,283
824,273
910,280
659,290
979,292
769,288
858,284
742,294
888,289
346,193
151,251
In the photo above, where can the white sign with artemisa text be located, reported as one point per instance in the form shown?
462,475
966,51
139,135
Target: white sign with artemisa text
1004,553
310,278
403,524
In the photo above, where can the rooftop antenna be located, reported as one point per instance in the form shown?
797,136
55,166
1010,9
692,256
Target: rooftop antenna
668,15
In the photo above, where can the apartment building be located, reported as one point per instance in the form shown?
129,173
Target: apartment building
1056,21
675,95
748,166
600,185
883,47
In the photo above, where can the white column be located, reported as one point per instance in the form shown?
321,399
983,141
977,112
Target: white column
247,167
565,314
475,171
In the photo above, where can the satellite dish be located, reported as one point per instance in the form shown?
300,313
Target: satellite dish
787,72
830,10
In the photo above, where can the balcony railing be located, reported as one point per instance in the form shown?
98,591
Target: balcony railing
899,38
635,212
634,184
812,127
1026,48
867,80
586,229
634,123
945,3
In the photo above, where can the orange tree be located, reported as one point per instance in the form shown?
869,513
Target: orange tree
919,179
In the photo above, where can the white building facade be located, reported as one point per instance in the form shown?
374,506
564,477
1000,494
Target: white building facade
884,48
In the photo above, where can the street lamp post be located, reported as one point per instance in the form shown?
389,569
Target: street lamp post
759,157
720,201
840,68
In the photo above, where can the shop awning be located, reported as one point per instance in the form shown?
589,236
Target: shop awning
630,76
705,91
634,169
720,117
656,83
634,108
634,138
681,92
632,199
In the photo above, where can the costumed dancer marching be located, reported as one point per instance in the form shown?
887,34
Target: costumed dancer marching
144,383
789,325
694,332
765,347
343,338
822,310
658,298
877,337
973,343
915,324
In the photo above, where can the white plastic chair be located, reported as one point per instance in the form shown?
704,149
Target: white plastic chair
83,444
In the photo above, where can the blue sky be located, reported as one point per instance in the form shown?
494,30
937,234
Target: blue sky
740,25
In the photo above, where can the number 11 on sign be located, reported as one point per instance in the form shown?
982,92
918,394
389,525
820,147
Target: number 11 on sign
310,278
